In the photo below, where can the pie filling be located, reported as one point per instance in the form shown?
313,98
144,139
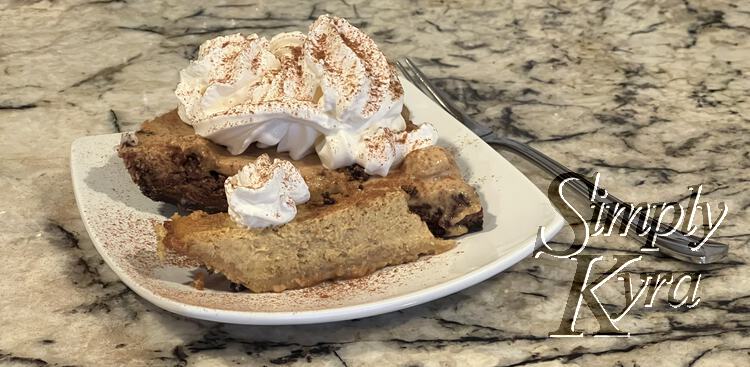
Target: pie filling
356,236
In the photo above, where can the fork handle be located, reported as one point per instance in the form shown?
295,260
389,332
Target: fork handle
676,245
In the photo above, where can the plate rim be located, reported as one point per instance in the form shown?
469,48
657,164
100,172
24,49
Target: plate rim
317,316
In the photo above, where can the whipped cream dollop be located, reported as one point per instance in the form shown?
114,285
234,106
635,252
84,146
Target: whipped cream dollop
265,193
331,91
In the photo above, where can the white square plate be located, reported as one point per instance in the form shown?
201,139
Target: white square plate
119,220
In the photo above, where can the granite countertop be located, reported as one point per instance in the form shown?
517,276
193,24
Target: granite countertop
654,95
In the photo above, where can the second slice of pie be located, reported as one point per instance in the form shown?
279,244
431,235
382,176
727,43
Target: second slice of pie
349,239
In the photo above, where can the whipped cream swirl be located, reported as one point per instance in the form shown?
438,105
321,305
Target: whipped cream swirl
265,193
330,91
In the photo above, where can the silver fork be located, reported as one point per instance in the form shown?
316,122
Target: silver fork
676,245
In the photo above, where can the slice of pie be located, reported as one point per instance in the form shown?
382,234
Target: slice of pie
170,163
294,223
353,237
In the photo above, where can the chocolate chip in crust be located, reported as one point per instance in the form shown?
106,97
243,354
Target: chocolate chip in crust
327,199
473,222
411,190
461,199
432,217
356,173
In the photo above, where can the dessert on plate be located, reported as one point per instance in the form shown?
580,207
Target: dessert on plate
299,161
359,235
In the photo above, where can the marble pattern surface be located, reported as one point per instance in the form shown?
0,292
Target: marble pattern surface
652,94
